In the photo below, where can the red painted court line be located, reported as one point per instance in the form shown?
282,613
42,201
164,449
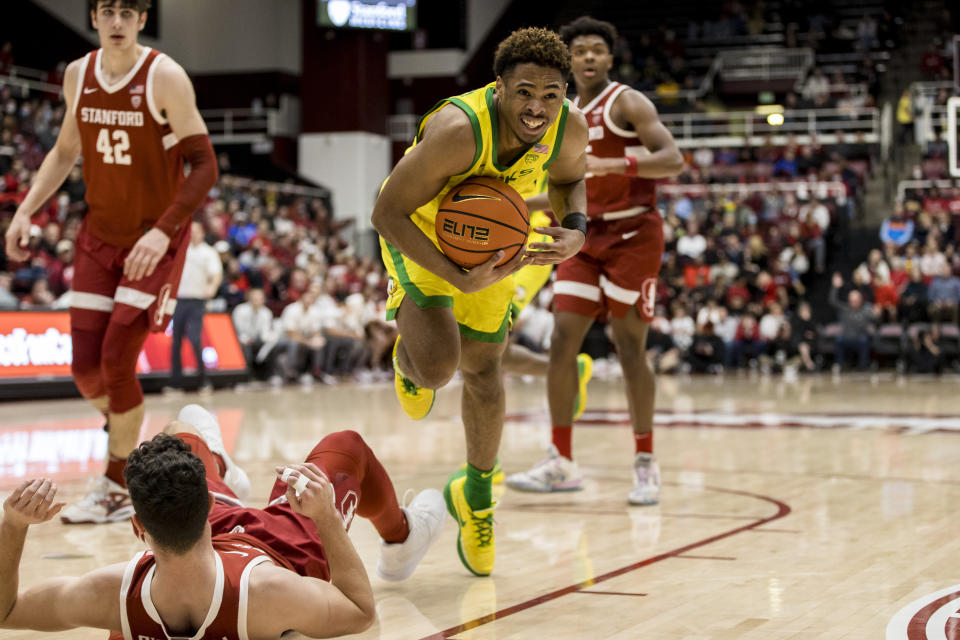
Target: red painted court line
783,509
687,557
559,508
610,593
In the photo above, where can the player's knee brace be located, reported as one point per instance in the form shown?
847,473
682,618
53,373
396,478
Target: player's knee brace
120,349
86,363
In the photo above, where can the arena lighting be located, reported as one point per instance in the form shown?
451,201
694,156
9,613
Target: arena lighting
767,109
775,119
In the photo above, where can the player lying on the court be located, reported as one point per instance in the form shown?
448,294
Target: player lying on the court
219,570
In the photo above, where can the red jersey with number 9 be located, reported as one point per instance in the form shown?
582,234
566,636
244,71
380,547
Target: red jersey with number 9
132,164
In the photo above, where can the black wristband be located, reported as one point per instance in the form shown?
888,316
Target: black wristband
576,221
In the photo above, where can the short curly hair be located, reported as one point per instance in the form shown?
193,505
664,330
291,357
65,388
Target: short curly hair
139,5
589,26
168,488
536,45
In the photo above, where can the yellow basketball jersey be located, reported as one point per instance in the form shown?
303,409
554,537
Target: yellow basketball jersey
524,173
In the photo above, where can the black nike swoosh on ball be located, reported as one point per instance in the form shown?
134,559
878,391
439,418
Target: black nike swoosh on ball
460,198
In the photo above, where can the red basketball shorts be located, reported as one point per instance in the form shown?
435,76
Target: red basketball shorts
99,285
615,270
277,527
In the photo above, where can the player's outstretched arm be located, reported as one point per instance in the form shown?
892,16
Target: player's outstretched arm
567,193
59,603
177,102
664,159
281,600
53,171
446,149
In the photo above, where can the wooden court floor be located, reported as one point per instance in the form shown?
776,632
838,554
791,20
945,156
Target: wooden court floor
818,508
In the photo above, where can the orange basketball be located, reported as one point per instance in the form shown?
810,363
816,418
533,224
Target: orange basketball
479,217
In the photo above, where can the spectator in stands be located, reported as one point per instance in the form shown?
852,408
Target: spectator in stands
805,333
867,33
60,270
343,332
40,296
706,352
302,346
857,319
7,152
931,63
898,228
786,165
692,244
8,301
874,267
682,326
885,297
943,296
781,354
932,261
817,86
662,352
535,324
202,274
924,352
747,344
258,339
905,118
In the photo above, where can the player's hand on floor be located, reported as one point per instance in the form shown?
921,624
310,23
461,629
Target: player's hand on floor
17,238
485,274
32,503
310,492
146,255
566,243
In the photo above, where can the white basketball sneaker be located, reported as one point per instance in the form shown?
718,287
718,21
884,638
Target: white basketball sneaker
204,422
106,502
425,518
553,473
646,480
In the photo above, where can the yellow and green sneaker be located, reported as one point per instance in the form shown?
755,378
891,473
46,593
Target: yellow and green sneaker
496,478
416,401
475,542
584,373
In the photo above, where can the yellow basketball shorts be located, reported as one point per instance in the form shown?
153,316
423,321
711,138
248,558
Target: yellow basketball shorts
528,281
483,316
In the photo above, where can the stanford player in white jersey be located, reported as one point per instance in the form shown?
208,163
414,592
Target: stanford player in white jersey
614,277
132,115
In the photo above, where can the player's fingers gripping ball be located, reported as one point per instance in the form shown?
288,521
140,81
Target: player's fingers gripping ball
479,217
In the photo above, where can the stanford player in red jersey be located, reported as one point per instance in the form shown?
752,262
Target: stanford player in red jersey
614,276
132,115
220,571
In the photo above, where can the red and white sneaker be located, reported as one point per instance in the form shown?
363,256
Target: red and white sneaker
553,473
646,480
106,502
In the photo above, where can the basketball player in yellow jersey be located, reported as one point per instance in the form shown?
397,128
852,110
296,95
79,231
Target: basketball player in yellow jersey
515,129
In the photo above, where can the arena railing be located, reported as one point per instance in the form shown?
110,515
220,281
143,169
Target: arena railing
765,63
750,128
911,185
279,187
26,80
803,189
